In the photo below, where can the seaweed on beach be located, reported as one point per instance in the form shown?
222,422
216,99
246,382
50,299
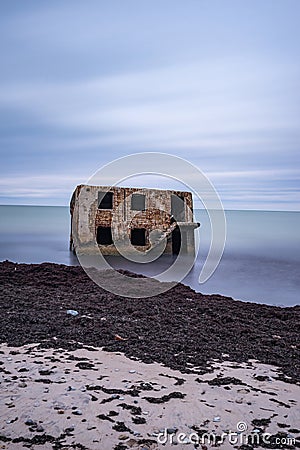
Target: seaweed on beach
181,329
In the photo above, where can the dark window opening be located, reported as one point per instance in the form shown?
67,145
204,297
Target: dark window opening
177,208
138,202
138,236
105,200
104,236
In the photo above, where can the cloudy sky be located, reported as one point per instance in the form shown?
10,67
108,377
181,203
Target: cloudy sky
215,82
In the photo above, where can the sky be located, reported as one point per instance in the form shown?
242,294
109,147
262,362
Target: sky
214,82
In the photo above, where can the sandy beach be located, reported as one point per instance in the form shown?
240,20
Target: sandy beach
94,399
180,370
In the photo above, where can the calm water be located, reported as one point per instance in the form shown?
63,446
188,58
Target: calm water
261,262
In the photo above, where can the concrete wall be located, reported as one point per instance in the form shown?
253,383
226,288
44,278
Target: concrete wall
87,217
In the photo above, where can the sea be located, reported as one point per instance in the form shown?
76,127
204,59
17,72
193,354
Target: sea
260,263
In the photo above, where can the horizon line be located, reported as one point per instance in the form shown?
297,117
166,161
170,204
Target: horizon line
201,209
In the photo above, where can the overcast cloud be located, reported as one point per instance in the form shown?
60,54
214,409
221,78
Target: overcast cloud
217,83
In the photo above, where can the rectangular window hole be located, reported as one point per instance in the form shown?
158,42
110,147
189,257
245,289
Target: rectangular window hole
105,200
138,202
104,236
138,236
178,207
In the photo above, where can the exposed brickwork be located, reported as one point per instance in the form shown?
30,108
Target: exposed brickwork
87,217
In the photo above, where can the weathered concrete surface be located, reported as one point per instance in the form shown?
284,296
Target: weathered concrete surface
158,219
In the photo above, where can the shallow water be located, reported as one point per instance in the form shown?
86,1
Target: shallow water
261,261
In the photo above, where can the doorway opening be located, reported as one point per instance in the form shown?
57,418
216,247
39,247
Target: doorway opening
179,241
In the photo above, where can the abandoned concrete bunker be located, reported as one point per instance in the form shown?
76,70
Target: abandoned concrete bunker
102,216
